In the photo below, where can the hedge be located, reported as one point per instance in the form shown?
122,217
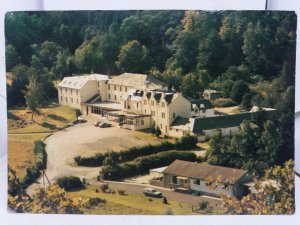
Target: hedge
69,183
143,164
40,155
184,143
34,172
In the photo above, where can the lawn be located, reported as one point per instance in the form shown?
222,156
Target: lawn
48,120
130,204
20,151
22,133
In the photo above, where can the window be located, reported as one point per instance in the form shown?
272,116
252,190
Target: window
153,113
108,96
77,101
125,89
66,100
115,97
142,121
71,91
77,92
137,105
174,179
197,181
173,115
163,104
120,88
124,105
152,102
108,87
115,87
163,115
160,126
61,98
98,84
72,100
166,128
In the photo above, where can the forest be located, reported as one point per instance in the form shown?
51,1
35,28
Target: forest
248,55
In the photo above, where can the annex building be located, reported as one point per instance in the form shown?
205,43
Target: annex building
139,101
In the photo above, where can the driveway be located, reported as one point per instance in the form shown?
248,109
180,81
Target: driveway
85,140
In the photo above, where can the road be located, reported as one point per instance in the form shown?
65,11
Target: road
137,189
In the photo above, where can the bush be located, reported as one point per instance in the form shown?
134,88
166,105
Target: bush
104,187
112,158
224,102
92,202
40,155
69,183
142,164
121,192
186,142
32,174
203,205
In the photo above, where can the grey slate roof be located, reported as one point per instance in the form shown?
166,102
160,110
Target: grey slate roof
216,122
204,171
207,104
137,81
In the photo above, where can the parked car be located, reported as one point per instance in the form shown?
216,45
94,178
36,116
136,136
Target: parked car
81,119
152,192
96,124
104,125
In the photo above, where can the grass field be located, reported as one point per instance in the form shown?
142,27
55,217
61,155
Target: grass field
49,119
130,204
22,133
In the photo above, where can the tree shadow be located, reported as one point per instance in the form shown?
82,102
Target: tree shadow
56,117
49,125
12,116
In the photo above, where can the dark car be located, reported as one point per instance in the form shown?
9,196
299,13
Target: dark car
152,192
104,125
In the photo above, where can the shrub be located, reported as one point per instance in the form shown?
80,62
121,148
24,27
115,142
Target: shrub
203,205
112,158
142,164
92,202
32,174
186,142
104,187
40,155
224,102
121,192
69,183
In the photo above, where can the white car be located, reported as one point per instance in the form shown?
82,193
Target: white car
152,192
81,119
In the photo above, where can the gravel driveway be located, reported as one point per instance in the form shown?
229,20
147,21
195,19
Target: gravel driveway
84,139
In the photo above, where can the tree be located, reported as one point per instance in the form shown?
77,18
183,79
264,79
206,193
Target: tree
54,200
210,54
157,132
11,56
275,194
191,85
34,96
239,89
134,58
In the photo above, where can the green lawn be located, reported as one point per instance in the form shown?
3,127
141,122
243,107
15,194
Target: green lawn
130,204
21,135
49,120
